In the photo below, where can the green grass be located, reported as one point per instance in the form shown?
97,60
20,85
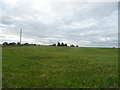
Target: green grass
59,67
0,67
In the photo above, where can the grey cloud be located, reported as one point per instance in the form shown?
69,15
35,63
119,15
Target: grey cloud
66,22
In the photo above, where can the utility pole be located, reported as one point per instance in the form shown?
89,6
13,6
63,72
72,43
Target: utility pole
50,42
20,35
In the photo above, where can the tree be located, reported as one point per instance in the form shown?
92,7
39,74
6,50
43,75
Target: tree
58,44
26,44
54,44
72,45
62,44
76,45
13,43
33,44
65,44
5,43
18,43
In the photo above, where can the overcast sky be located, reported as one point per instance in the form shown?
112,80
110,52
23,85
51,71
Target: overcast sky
79,23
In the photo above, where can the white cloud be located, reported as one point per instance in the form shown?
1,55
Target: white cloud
104,39
80,25
69,22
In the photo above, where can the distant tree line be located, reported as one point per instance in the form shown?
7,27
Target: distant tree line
18,43
27,44
63,44
59,44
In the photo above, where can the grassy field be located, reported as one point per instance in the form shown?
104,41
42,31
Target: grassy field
0,67
59,67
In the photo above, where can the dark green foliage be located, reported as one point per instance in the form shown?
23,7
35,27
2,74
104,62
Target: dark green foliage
76,45
72,45
62,44
58,44
26,44
5,43
12,44
65,44
54,44
18,43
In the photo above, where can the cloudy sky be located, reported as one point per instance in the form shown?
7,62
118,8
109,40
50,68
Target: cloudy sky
71,22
